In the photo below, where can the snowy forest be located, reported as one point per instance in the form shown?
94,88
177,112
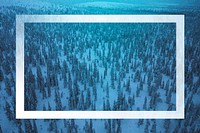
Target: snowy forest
99,66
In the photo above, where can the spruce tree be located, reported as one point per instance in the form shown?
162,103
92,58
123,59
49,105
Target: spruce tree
88,98
9,112
145,104
35,130
28,126
128,88
1,129
1,76
153,129
140,122
107,90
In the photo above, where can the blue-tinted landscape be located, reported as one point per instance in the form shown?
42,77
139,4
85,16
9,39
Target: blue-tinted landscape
99,66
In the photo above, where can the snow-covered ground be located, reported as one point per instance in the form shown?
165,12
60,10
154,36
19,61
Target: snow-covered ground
71,45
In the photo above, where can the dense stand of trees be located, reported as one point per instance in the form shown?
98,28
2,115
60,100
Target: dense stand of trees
77,58
81,67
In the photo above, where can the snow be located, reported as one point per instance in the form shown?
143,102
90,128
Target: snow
98,125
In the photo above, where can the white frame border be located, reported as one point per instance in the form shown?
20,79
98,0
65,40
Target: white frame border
22,114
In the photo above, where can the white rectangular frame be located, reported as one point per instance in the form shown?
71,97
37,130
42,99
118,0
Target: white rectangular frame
22,114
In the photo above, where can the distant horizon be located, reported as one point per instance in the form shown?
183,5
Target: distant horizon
147,2
185,3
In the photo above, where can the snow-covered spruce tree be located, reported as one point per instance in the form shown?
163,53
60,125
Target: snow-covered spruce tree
40,81
1,129
68,126
91,81
28,126
105,71
101,81
119,85
108,105
128,88
146,129
104,105
108,126
137,91
107,90
81,104
44,107
94,106
112,77
49,91
113,125
119,129
152,102
166,87
1,75
33,100
157,77
76,93
166,125
88,99
140,122
12,80
130,102
74,127
64,80
64,72
53,126
9,112
58,100
114,106
71,99
6,67
20,130
133,99
145,104
35,130
94,89
153,128
168,98
137,76
96,73
86,128
141,84
8,87
91,127
49,107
